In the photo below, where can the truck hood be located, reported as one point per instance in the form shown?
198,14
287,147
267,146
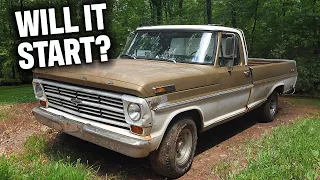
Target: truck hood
136,77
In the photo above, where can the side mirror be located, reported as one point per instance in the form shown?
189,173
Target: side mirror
230,46
231,42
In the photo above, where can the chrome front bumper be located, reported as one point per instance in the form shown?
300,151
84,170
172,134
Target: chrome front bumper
129,146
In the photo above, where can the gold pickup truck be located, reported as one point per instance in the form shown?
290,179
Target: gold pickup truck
170,84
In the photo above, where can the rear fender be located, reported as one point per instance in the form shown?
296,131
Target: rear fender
275,87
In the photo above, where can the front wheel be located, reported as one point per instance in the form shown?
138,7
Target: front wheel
270,108
176,151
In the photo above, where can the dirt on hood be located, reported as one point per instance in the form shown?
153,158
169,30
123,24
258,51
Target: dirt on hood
132,76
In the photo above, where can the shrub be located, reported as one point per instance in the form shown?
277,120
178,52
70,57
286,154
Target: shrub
309,76
9,82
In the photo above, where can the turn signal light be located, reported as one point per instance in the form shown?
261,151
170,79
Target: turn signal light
159,90
136,129
164,89
43,103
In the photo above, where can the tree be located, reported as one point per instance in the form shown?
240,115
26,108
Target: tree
209,12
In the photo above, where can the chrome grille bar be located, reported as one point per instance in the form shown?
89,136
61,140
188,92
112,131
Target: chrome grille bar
96,105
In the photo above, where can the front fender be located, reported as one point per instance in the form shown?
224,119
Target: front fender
162,119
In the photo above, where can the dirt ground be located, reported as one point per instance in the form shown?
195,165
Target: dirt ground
221,144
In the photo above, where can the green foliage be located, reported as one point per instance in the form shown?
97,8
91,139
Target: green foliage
16,168
6,169
16,94
33,165
35,145
9,82
274,29
291,152
309,76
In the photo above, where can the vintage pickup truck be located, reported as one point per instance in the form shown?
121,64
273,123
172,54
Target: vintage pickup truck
170,84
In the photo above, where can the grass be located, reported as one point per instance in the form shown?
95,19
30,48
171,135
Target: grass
4,114
16,94
33,164
290,152
307,101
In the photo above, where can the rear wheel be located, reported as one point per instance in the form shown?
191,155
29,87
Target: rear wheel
176,151
270,108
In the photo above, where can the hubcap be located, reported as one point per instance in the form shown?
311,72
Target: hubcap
273,106
183,147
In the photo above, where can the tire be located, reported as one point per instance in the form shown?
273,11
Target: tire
269,109
175,154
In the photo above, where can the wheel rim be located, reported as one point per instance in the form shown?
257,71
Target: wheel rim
183,147
273,106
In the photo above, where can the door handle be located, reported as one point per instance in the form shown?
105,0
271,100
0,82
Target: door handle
247,73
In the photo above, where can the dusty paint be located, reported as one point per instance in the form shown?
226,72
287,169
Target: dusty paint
157,100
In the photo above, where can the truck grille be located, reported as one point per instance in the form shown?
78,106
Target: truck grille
104,107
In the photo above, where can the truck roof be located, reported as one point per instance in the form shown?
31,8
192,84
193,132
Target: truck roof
191,27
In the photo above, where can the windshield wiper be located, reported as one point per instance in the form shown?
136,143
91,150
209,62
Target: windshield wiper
127,56
162,59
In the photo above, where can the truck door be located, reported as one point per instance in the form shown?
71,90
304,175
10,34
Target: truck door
234,77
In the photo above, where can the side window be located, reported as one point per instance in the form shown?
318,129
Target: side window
229,51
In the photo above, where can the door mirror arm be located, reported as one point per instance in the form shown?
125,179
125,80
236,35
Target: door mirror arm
230,68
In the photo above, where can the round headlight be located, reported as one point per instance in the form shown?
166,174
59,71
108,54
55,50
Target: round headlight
134,111
38,90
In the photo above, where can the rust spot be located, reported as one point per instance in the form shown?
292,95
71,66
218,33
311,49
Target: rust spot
246,106
247,109
148,138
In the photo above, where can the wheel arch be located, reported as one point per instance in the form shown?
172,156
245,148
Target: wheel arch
193,111
195,114
279,87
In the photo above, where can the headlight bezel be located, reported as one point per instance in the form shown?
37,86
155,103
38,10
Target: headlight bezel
38,90
145,119
38,86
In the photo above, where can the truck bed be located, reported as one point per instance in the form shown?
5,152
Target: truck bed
263,69
268,74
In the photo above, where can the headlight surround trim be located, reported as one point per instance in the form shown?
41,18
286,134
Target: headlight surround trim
145,120
38,90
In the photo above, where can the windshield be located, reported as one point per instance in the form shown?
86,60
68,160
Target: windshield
178,46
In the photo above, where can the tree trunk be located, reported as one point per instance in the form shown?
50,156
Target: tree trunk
9,19
169,10
166,10
255,23
233,16
209,12
314,22
152,12
180,9
21,5
159,12
156,6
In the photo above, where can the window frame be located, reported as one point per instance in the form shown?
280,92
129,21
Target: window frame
240,48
